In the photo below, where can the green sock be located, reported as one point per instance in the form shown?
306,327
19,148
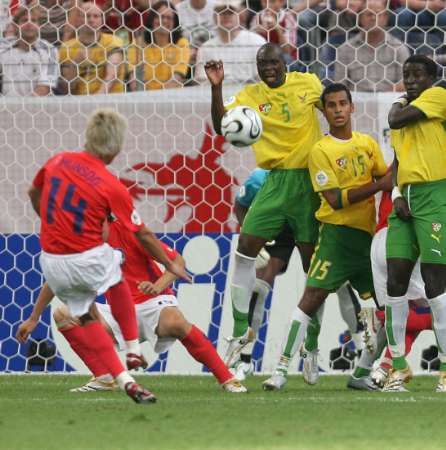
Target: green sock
443,367
313,330
361,372
399,363
240,322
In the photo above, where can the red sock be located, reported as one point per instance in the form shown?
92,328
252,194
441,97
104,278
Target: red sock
418,322
410,339
76,338
101,343
200,347
386,362
122,307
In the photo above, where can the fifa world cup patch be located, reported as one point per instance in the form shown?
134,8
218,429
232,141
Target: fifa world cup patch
436,227
342,162
265,108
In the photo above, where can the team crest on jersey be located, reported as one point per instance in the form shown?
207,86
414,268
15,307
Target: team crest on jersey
436,227
265,108
342,162
303,97
321,178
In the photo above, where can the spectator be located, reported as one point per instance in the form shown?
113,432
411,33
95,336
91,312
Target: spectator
422,13
197,22
237,48
28,64
372,60
92,63
277,24
53,18
164,60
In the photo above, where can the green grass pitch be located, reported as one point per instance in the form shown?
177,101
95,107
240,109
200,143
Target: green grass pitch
38,413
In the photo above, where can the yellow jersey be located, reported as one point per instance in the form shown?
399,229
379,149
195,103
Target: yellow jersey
153,65
346,164
421,146
290,122
92,67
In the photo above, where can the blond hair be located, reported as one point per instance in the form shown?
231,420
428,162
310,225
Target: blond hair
105,133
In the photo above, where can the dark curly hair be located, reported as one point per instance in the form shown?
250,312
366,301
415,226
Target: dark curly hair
176,33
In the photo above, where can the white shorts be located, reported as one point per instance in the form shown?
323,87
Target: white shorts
379,269
148,316
77,279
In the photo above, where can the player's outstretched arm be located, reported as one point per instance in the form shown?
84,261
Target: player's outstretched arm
400,204
340,198
27,327
402,113
34,194
153,246
215,73
164,281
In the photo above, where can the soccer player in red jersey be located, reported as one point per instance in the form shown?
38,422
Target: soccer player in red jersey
74,193
160,321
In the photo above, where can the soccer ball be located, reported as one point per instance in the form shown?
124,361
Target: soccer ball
241,126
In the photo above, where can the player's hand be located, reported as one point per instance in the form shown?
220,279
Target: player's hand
148,288
401,208
214,71
25,329
179,271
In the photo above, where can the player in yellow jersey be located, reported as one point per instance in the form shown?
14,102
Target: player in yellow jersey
417,224
287,104
347,168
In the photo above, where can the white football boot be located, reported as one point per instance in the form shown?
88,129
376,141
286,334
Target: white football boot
397,379
441,386
241,370
310,370
234,387
236,345
275,382
95,385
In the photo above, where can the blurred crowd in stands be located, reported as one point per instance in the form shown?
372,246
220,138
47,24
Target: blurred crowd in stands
81,47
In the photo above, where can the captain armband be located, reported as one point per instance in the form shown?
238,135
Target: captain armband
344,198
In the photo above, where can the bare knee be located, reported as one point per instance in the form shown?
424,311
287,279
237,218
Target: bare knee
398,276
250,245
173,324
434,277
312,300
62,317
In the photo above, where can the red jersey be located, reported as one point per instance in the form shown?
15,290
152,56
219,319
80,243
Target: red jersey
138,264
385,208
78,194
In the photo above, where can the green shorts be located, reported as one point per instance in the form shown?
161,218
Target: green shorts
342,254
421,236
287,197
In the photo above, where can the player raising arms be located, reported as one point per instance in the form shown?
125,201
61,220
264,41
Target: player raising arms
287,105
418,221
74,193
159,319
343,167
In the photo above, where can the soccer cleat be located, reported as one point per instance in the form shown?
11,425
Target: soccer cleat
235,346
372,325
275,382
310,369
362,383
139,394
379,376
397,379
441,386
234,386
241,370
95,385
135,361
